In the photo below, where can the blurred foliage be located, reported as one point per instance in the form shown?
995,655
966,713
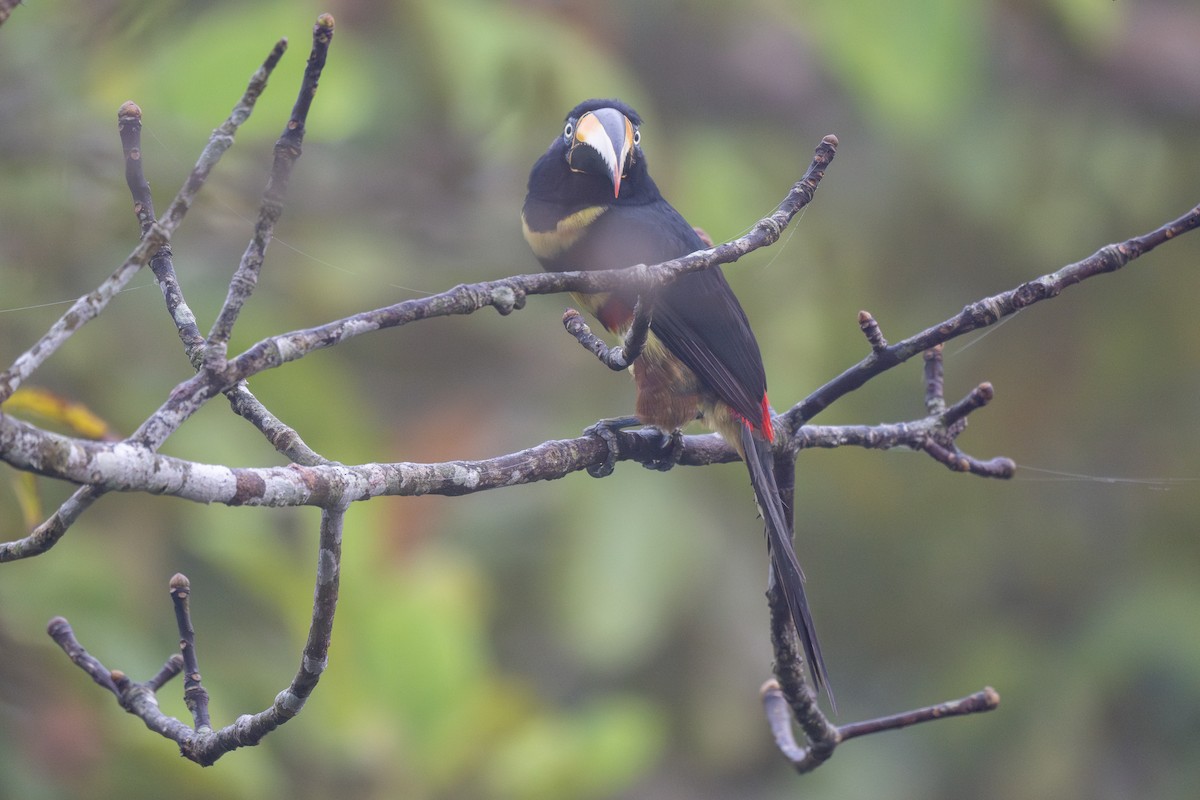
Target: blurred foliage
57,412
606,639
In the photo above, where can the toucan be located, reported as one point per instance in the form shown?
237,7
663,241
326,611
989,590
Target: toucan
592,205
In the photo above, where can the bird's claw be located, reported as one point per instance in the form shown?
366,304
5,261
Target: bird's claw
606,467
671,446
607,429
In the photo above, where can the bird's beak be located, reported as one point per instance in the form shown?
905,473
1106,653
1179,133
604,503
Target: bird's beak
602,144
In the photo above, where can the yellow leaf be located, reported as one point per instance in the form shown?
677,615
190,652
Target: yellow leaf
25,488
76,417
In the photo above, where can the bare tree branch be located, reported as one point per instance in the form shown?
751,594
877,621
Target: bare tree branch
989,311
128,467
154,238
134,465
241,399
155,245
201,743
90,305
826,737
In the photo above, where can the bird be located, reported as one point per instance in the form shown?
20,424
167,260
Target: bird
592,205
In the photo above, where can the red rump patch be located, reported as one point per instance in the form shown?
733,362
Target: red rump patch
767,428
764,425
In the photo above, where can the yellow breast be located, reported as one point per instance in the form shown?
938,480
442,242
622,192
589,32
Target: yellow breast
555,242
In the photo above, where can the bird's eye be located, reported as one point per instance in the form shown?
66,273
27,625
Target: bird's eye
637,137
569,131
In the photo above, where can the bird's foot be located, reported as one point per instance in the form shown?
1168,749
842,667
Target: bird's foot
671,449
607,430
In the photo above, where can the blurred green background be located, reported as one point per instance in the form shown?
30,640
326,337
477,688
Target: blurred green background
585,639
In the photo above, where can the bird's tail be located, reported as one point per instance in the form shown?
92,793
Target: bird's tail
761,463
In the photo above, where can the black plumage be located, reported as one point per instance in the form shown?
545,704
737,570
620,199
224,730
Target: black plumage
592,205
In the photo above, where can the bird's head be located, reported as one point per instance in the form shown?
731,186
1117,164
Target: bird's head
595,160
602,138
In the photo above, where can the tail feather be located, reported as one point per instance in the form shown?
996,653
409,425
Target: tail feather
760,462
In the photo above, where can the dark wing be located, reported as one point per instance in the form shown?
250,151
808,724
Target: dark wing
698,317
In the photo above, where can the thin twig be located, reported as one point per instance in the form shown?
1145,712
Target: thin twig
935,380
195,696
287,153
872,331
284,438
986,700
819,749
137,698
129,126
172,667
619,357
62,634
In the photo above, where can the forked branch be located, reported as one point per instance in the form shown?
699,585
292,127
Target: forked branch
199,742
